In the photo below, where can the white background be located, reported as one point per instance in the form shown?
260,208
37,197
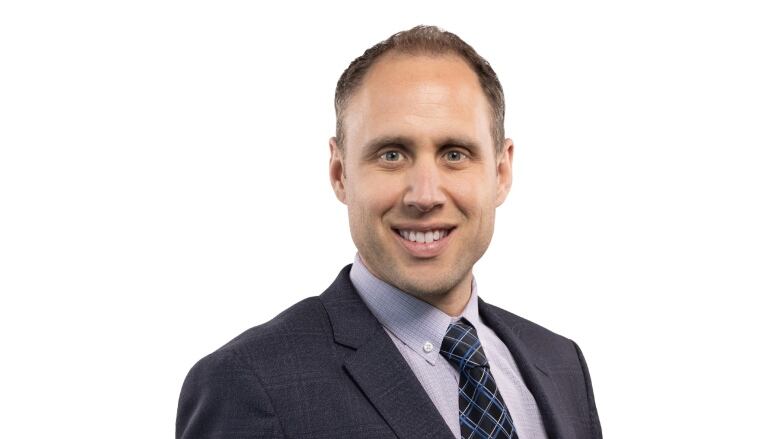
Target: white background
163,186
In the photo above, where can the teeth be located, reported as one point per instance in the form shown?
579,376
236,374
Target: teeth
426,237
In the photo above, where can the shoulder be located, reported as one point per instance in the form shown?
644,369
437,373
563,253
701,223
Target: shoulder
232,386
294,329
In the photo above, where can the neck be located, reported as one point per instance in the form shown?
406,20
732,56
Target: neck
454,301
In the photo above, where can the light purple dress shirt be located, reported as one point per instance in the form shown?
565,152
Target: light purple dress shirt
417,329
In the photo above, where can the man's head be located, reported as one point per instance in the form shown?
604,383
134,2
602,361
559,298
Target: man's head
418,164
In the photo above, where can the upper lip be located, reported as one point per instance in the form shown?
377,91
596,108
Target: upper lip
429,227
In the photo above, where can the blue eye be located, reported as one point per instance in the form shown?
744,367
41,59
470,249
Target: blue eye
391,156
454,156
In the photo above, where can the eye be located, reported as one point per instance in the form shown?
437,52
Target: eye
391,156
454,156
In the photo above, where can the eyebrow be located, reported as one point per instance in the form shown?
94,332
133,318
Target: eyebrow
378,143
465,142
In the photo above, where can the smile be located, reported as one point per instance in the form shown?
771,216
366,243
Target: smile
427,243
429,236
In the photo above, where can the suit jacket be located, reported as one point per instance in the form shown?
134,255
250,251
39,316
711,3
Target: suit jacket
325,368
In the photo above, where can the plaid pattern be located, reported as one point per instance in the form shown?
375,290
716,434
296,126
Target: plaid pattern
483,414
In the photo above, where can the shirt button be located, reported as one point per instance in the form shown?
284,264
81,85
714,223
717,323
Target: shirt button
428,346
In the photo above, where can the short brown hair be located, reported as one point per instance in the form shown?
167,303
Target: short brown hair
423,40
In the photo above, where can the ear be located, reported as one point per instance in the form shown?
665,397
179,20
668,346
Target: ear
336,171
504,171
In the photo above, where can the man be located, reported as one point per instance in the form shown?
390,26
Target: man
400,345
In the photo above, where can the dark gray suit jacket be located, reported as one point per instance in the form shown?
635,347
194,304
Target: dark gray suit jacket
325,368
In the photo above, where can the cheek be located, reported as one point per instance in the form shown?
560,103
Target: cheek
474,193
368,199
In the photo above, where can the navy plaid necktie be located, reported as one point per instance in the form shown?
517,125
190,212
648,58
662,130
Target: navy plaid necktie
483,414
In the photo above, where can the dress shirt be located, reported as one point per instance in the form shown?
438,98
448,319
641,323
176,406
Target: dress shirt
417,329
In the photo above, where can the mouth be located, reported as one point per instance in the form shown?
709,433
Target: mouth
423,236
427,242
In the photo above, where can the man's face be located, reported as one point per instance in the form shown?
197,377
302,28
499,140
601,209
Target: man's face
419,173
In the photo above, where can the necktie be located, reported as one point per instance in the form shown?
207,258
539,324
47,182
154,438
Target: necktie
483,414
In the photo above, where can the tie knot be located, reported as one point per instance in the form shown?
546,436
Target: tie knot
461,346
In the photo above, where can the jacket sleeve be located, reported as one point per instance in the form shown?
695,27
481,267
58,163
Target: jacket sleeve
222,398
595,424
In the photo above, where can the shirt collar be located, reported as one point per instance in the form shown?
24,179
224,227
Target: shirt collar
418,324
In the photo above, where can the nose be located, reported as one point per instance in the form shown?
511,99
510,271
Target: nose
424,187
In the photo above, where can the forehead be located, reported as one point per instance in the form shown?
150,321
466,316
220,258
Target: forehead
395,68
436,95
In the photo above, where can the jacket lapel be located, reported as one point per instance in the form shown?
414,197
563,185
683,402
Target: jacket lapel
382,373
533,371
378,368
